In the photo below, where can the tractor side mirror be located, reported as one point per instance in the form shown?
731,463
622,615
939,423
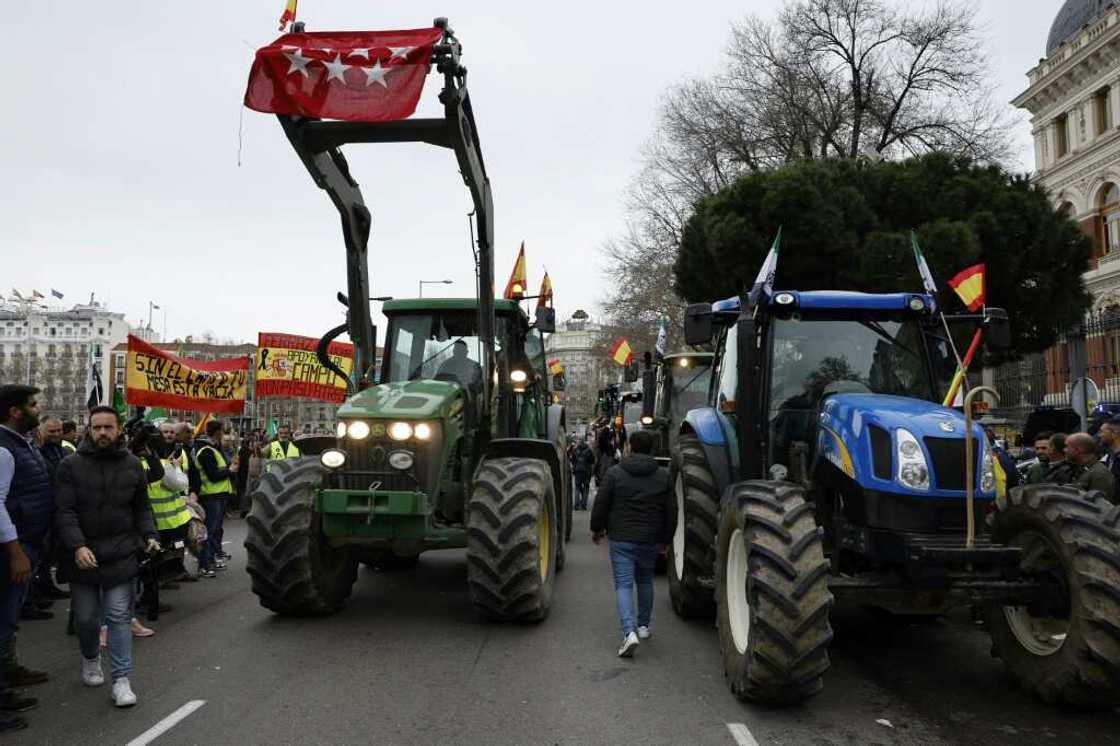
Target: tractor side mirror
633,372
997,329
698,324
546,320
649,384
558,382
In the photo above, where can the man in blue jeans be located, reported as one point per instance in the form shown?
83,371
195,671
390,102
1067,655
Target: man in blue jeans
215,490
634,508
104,521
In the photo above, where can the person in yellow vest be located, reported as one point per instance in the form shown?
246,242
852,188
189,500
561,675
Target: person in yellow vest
69,436
180,459
282,447
215,489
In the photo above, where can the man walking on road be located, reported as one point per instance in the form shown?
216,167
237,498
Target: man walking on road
104,522
634,509
583,464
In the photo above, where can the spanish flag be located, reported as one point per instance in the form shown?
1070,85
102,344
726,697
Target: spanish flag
545,296
969,285
621,352
289,14
515,288
554,367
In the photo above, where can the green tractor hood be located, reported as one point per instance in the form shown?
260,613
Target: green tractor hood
413,400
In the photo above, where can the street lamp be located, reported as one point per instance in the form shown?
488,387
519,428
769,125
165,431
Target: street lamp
432,282
151,306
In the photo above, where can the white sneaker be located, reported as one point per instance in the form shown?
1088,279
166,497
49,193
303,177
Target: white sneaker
122,694
91,672
644,633
628,645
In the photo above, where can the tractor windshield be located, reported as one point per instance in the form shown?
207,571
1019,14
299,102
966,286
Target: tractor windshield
688,388
813,358
434,345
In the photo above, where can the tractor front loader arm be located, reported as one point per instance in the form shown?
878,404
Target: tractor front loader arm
318,143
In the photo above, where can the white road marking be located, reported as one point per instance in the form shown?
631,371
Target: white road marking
739,732
166,724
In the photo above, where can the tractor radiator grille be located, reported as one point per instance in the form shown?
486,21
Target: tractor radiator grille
948,462
368,462
881,452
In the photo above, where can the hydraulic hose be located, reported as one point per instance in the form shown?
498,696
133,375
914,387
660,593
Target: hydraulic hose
325,359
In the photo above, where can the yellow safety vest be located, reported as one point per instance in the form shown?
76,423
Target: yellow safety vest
168,508
277,451
68,446
221,487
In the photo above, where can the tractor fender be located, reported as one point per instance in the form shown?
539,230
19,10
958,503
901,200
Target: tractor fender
705,425
557,424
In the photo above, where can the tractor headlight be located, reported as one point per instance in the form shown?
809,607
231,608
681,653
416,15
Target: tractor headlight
340,430
913,471
647,420
332,458
399,431
518,376
917,304
422,431
358,430
987,472
401,460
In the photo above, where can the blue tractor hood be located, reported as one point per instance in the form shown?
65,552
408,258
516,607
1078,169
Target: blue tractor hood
848,438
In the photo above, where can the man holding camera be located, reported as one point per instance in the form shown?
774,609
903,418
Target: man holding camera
104,521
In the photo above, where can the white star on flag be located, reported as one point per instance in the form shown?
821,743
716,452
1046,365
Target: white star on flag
363,53
299,63
376,74
400,52
336,69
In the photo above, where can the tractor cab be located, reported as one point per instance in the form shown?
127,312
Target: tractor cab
680,384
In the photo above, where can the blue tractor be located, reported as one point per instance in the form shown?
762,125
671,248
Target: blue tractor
823,468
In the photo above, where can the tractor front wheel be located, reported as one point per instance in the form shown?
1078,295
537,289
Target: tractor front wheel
692,551
772,593
293,569
1066,647
512,539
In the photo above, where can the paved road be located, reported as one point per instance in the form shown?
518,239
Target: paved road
408,662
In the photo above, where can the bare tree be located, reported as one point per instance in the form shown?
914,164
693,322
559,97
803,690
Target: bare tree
826,79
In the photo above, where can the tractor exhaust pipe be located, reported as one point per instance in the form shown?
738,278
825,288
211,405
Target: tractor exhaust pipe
970,462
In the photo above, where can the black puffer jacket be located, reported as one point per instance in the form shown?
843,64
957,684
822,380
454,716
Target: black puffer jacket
102,498
634,503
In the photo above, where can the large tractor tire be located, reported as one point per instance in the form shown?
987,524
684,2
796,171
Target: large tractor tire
512,539
772,593
294,571
1067,651
691,557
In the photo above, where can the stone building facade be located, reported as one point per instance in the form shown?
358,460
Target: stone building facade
576,344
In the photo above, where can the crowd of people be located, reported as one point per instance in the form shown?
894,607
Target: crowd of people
1078,459
112,512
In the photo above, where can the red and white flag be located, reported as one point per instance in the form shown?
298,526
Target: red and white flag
362,76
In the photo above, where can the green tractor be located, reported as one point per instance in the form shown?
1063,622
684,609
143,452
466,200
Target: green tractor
677,384
456,444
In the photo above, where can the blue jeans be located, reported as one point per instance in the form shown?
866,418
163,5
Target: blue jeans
91,603
215,507
11,601
633,564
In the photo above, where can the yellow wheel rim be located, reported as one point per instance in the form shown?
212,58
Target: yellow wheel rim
544,542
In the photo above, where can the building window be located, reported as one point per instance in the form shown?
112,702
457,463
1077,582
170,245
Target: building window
53,331
1102,110
1061,135
101,331
1110,218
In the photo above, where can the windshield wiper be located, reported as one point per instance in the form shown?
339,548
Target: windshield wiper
416,371
684,388
874,326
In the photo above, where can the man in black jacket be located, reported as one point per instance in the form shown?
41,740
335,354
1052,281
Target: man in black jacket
634,508
104,521
215,490
583,464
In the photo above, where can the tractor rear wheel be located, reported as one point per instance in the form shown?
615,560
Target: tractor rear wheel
1067,649
691,556
294,571
772,593
512,538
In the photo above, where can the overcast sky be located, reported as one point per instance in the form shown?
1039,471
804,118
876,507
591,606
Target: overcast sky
120,142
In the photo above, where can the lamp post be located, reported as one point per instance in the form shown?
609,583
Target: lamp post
151,306
432,282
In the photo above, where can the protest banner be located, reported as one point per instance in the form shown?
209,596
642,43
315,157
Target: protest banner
288,366
157,378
